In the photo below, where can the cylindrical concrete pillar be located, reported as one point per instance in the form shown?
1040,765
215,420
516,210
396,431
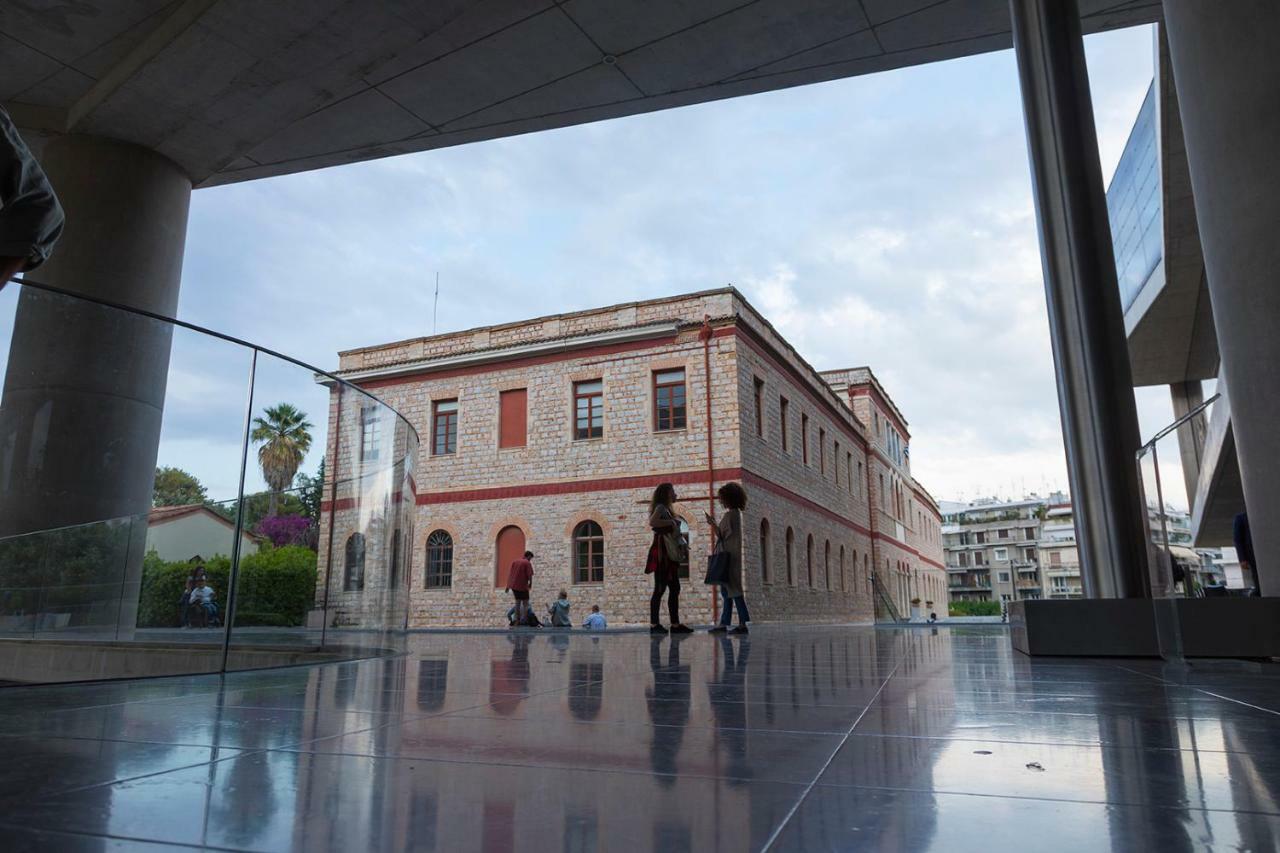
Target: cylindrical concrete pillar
84,389
1086,328
1227,74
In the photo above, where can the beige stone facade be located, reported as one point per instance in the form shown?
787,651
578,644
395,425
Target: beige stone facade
810,501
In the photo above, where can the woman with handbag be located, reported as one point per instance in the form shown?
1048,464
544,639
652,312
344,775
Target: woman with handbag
729,541
665,555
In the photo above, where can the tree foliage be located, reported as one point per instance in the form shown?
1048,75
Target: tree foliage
277,586
175,487
285,436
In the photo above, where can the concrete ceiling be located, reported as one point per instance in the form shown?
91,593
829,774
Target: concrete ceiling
233,90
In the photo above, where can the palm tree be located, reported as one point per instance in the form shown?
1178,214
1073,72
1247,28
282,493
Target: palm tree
286,440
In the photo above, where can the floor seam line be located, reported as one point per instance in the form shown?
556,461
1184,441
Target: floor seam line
786,819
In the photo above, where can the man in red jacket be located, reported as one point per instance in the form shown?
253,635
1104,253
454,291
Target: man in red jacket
519,582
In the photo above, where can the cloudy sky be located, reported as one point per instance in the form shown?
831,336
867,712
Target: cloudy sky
883,220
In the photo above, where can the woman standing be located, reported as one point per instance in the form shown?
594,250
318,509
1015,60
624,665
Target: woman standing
729,537
664,560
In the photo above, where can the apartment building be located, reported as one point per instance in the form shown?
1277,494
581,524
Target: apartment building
550,435
1059,556
992,550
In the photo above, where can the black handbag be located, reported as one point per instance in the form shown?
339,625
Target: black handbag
718,567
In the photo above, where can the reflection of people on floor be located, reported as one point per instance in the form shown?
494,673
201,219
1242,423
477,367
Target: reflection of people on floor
728,695
509,679
668,699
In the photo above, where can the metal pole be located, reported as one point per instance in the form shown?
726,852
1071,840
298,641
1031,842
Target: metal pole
1086,327
333,506
229,616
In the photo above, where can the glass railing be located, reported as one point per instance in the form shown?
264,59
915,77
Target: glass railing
1174,568
1135,205
177,501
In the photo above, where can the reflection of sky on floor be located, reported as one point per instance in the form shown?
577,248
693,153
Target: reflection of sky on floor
821,738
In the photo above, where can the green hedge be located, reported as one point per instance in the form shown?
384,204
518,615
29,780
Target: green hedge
277,587
975,608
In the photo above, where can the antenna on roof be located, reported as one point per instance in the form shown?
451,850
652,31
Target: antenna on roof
435,303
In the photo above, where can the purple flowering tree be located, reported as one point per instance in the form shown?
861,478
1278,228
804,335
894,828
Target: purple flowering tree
286,530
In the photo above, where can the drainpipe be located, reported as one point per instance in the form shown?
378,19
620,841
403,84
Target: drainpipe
704,334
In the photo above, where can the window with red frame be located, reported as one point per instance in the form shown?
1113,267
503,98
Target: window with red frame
669,403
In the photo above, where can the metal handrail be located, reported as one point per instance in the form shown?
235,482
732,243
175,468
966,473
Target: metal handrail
1142,451
151,315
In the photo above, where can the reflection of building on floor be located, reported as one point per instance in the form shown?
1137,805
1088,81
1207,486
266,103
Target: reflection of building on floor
551,434
181,533
525,723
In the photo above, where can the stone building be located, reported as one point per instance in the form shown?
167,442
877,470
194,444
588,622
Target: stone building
551,434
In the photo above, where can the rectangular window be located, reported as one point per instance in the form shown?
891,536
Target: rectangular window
804,438
962,560
1004,577
444,428
848,468
982,537
882,499
513,418
835,462
978,558
859,478
1003,533
1028,533
782,421
1055,558
1029,554
759,406
822,451
1002,553
669,399
588,409
370,432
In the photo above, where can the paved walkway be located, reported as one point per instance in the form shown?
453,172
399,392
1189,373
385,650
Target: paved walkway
823,738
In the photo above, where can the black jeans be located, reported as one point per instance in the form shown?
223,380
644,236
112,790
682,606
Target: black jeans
672,588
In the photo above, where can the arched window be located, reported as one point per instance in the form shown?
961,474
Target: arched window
791,541
509,547
844,583
808,558
826,561
396,546
764,550
439,560
353,567
588,553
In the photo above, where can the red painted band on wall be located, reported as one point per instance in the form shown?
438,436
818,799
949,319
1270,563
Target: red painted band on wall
908,549
534,490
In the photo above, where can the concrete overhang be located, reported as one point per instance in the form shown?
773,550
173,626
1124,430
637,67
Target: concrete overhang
233,90
1170,323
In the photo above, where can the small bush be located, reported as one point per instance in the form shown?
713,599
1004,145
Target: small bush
276,588
974,608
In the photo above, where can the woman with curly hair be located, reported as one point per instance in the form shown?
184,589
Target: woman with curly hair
729,537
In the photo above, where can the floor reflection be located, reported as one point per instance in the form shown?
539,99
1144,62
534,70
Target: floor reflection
823,738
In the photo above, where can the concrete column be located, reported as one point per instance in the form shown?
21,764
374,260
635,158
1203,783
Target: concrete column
1086,328
1227,74
1186,396
85,385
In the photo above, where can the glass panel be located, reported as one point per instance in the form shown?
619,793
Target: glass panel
1134,206
134,411
669,376
126,412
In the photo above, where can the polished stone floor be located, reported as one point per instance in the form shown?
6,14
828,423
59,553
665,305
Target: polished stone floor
824,738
